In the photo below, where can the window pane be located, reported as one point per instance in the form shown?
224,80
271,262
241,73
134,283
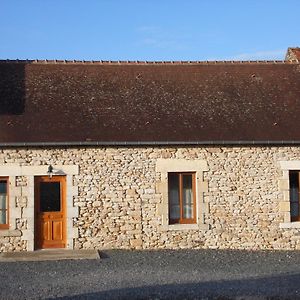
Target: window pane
294,188
294,194
49,196
294,209
2,216
187,196
2,201
2,187
174,205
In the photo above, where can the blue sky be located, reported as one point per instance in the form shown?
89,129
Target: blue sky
148,29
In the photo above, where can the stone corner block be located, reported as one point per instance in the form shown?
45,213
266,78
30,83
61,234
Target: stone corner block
289,225
283,184
27,235
28,212
289,164
284,206
286,195
205,208
70,244
73,190
287,217
15,191
30,245
72,211
203,186
180,165
75,232
15,213
204,226
10,169
159,186
10,233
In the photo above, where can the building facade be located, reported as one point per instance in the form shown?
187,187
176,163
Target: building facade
163,175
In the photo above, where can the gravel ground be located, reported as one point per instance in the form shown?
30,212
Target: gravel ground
167,274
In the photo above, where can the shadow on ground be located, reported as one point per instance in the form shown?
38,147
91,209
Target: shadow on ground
286,286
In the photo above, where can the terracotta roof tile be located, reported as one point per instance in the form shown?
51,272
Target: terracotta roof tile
109,102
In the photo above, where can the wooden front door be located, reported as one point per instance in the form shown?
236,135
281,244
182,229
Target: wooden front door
50,212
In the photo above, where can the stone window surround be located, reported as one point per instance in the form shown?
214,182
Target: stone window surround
164,166
284,187
27,194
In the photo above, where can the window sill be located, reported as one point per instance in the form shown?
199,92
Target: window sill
9,233
176,227
289,225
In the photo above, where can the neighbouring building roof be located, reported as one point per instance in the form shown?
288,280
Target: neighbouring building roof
149,102
293,55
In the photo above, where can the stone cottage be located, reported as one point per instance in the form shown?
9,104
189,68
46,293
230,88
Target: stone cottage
149,155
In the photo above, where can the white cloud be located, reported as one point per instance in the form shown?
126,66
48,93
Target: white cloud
260,55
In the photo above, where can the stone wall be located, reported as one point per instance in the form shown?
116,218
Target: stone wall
119,198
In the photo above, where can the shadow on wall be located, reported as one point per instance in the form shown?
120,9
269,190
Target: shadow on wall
285,286
12,88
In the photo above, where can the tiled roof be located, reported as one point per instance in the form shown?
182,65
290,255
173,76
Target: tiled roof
149,102
140,62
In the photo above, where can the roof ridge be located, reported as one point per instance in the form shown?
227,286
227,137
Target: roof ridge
144,62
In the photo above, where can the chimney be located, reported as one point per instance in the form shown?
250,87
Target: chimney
293,55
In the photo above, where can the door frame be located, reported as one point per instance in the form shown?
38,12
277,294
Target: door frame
37,229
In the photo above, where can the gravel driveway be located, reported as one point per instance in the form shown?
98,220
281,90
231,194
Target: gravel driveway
184,274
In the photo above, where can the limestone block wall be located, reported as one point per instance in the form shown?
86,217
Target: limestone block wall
119,200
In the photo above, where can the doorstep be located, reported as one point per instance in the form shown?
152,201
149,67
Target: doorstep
48,254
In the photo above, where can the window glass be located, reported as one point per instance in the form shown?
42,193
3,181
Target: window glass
294,209
3,202
49,196
294,186
2,217
174,205
181,198
294,195
187,196
3,187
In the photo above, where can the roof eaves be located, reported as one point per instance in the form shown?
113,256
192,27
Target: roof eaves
152,143
110,62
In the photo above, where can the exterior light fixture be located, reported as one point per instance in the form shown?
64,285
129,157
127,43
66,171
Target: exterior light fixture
50,171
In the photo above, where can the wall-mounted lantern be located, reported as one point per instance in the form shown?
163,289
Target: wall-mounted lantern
50,171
